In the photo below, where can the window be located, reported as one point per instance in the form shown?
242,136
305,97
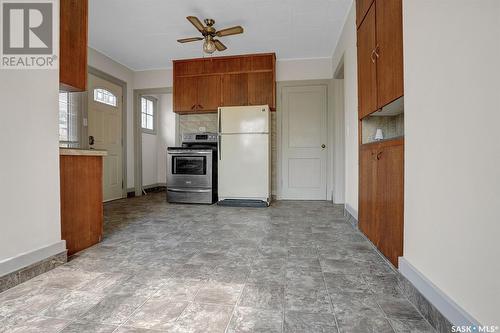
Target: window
69,106
104,96
148,105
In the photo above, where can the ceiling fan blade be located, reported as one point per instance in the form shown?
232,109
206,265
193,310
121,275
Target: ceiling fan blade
187,40
219,46
229,31
197,23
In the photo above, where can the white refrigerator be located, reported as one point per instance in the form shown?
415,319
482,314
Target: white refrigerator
244,155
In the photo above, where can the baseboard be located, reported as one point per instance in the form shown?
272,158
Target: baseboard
350,218
25,266
352,211
439,309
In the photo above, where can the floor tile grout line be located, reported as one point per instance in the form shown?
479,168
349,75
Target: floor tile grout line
328,293
239,297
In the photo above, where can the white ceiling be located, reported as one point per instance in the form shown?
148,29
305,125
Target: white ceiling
142,34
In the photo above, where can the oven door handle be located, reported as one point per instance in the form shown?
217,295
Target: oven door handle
189,190
184,152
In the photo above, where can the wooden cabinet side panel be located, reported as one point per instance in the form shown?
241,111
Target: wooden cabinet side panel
367,69
390,50
73,44
81,201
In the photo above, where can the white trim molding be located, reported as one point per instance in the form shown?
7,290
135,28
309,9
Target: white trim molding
442,302
26,259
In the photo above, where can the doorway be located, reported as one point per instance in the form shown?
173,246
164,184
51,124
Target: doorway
105,112
304,139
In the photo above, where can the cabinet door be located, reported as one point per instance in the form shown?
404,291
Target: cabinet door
390,177
390,50
368,192
362,7
73,45
185,94
367,70
209,93
261,90
235,89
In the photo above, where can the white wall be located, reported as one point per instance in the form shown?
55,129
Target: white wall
154,146
159,78
167,135
346,51
149,159
119,71
303,69
452,150
29,168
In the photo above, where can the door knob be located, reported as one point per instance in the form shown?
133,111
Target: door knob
91,140
323,146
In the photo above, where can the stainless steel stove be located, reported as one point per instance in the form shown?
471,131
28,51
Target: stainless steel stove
192,169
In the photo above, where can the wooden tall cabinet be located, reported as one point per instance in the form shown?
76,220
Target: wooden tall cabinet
380,54
381,196
73,45
202,85
381,164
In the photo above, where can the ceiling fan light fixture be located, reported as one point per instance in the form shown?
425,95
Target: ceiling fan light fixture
209,46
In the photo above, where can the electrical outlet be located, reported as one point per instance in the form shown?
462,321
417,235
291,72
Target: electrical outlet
202,129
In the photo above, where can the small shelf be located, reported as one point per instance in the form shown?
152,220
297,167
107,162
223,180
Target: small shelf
389,121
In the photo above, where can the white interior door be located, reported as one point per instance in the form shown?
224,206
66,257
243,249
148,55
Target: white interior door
304,139
105,125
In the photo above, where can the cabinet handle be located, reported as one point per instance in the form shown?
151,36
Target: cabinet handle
192,108
377,50
371,56
201,107
379,155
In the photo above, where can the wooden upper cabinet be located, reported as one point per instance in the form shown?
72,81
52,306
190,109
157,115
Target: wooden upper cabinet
185,92
380,54
209,96
202,85
362,7
261,89
389,50
235,89
367,68
73,45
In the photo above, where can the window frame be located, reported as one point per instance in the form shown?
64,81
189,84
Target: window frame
105,91
73,100
155,114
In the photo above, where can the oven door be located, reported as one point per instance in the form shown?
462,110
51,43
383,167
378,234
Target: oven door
189,168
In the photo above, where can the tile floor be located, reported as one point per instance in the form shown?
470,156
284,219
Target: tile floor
294,267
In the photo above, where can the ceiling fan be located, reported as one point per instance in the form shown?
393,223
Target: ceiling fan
209,33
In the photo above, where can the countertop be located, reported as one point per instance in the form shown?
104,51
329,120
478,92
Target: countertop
82,152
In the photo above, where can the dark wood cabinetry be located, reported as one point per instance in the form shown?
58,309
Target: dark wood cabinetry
381,164
381,175
362,7
367,68
202,85
73,45
380,55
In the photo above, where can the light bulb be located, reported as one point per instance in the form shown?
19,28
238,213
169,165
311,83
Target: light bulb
209,46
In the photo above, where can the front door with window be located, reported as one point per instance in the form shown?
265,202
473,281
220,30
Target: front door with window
105,132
